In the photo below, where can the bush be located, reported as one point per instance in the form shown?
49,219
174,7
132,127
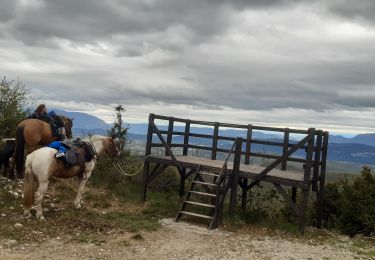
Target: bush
350,204
13,103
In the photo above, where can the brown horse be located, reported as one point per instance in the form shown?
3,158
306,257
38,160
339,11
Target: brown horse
33,133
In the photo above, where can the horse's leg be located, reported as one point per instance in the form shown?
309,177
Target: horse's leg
38,199
82,184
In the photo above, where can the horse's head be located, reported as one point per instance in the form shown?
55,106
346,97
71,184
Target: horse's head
68,124
110,147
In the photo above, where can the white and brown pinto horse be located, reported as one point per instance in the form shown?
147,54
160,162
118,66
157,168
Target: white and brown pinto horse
42,164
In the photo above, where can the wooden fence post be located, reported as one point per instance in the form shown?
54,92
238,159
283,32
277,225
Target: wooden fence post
214,141
234,177
247,162
184,152
322,180
146,166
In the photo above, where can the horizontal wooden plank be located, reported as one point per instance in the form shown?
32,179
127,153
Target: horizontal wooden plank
200,204
195,214
290,178
264,155
205,183
209,174
171,145
229,125
193,146
202,193
201,135
165,132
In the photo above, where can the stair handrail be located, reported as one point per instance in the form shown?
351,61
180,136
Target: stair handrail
225,164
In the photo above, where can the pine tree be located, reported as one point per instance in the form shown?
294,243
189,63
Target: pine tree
119,131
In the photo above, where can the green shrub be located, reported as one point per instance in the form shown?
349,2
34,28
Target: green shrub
350,204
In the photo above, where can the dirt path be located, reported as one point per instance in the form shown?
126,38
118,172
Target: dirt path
180,241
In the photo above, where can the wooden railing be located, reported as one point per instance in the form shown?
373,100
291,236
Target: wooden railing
317,143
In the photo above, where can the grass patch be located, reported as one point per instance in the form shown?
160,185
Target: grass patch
364,247
92,227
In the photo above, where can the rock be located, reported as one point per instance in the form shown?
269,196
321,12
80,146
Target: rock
11,242
18,225
3,215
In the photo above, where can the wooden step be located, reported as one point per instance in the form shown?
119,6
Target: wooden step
205,183
200,204
209,174
202,193
195,214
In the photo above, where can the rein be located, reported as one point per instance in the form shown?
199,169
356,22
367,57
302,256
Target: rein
116,164
123,172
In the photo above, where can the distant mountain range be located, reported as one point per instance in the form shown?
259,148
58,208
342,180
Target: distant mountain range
367,139
357,149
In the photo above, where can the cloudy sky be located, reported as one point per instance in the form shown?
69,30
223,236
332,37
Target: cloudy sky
283,62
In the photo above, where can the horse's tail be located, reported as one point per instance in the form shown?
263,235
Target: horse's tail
20,151
28,185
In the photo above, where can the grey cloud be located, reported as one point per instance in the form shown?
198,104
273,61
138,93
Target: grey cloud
96,20
358,10
7,10
190,53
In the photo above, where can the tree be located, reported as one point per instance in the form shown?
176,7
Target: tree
13,106
119,131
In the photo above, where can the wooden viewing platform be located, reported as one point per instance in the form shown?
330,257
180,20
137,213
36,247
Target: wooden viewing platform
216,177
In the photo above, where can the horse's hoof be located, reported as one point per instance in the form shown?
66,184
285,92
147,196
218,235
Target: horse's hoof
78,204
41,217
27,216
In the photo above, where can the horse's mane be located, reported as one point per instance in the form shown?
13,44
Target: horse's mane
97,137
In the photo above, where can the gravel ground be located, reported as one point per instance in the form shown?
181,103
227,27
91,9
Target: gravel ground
181,241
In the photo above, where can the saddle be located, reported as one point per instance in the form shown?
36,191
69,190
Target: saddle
55,123
77,154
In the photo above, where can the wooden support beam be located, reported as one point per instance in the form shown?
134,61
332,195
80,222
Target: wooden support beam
248,144
291,203
214,141
317,155
146,165
244,193
309,156
186,138
156,171
146,168
269,168
182,182
167,148
234,177
169,136
302,210
285,149
245,181
320,209
294,194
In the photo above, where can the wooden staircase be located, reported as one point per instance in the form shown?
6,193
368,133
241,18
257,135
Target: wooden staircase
202,195
207,193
